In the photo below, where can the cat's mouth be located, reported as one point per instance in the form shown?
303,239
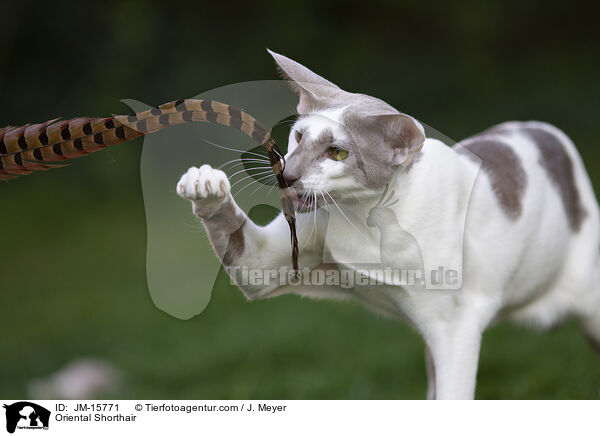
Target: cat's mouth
306,202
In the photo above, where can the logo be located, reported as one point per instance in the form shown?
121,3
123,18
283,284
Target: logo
26,415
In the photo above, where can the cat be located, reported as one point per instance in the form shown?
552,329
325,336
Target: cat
511,210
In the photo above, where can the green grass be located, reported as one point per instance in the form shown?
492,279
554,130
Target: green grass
73,284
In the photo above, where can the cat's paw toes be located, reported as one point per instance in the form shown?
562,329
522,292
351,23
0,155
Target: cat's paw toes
206,187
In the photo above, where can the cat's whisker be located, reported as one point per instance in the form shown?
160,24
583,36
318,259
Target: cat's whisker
256,177
314,216
250,176
244,187
284,122
241,170
233,149
303,200
255,181
256,190
325,202
311,218
249,169
250,164
306,218
262,181
343,214
252,159
237,162
224,164
261,186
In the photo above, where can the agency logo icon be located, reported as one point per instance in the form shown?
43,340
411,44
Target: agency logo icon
26,415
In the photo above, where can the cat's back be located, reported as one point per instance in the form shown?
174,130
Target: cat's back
533,207
533,166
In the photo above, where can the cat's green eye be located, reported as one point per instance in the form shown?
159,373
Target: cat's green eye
298,136
338,153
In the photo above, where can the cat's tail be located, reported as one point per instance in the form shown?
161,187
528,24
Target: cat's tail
39,147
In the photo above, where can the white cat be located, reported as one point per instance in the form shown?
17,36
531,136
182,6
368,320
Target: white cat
518,227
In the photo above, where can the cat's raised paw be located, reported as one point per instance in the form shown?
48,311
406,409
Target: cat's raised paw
206,187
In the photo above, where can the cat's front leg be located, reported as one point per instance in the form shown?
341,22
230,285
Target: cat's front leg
238,242
454,354
207,188
429,366
209,191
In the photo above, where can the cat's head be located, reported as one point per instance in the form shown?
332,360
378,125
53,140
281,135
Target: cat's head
343,145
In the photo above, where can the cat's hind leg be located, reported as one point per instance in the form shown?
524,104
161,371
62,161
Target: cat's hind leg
590,325
589,316
591,331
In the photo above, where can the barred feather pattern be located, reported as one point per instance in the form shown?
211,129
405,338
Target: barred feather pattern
40,147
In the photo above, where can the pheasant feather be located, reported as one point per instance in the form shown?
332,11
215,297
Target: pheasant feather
40,147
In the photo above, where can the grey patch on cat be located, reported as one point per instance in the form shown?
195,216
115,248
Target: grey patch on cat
225,228
325,139
307,154
372,156
559,168
235,246
504,168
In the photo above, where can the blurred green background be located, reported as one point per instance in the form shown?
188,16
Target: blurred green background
73,240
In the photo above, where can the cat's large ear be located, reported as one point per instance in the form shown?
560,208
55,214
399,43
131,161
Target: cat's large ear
402,133
314,90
